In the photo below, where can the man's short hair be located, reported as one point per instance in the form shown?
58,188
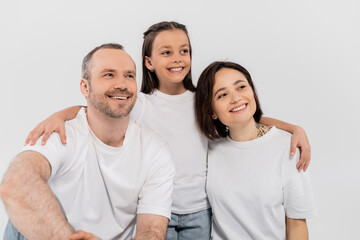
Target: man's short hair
85,70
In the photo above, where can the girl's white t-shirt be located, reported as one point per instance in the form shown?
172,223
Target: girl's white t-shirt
173,118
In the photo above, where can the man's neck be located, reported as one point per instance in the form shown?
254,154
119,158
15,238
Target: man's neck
110,131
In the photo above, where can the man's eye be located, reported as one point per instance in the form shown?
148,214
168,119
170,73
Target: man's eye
109,75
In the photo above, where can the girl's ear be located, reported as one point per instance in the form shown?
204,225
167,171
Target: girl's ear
84,87
148,64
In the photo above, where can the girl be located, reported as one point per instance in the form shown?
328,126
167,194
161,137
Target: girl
253,187
166,105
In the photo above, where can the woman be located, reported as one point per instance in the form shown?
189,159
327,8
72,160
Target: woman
253,186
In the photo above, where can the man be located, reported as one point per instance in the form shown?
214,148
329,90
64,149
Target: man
111,174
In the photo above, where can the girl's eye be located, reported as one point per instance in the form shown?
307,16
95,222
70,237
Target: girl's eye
130,76
184,51
165,53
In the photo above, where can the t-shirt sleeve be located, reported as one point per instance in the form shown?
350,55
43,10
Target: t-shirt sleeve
298,198
58,154
156,195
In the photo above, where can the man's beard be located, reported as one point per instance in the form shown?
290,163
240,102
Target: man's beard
99,102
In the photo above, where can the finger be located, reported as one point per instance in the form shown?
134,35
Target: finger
35,137
28,138
45,138
62,134
307,164
293,147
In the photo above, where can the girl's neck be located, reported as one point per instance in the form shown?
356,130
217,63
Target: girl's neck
247,131
172,88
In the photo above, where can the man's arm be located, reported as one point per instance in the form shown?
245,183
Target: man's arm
29,202
150,227
296,229
299,139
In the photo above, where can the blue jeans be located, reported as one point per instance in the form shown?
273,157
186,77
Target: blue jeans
193,226
11,233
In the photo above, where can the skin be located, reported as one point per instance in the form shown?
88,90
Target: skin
296,229
232,92
111,94
170,59
28,200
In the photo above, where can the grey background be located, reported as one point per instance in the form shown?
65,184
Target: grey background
304,57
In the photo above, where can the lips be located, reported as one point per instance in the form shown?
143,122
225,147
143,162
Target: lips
176,69
119,94
239,108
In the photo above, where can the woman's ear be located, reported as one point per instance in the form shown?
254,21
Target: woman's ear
148,64
214,116
84,87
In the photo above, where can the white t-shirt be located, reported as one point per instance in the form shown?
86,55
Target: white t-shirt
252,186
173,118
102,188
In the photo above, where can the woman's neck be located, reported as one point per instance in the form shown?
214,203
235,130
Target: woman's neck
247,131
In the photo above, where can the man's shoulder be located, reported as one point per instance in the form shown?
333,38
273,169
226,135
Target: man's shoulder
147,135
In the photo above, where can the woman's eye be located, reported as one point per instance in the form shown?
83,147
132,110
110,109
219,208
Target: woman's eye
221,95
242,87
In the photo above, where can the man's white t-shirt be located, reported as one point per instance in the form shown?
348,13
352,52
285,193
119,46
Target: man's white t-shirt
253,185
173,118
102,188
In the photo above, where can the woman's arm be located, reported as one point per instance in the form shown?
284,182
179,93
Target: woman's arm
299,139
296,229
54,123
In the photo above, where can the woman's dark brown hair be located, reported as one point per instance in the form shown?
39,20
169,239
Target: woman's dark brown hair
214,129
149,79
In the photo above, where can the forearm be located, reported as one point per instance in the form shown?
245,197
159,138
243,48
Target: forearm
150,235
68,113
296,229
30,203
278,124
150,227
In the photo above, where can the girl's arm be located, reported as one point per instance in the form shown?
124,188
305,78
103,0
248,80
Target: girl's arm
296,229
54,123
299,139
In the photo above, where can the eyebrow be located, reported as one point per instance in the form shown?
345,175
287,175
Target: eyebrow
221,89
168,46
113,71
108,70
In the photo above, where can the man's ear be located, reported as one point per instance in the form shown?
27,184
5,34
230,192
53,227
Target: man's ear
84,87
148,64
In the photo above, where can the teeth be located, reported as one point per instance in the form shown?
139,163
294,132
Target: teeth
121,98
238,108
175,69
